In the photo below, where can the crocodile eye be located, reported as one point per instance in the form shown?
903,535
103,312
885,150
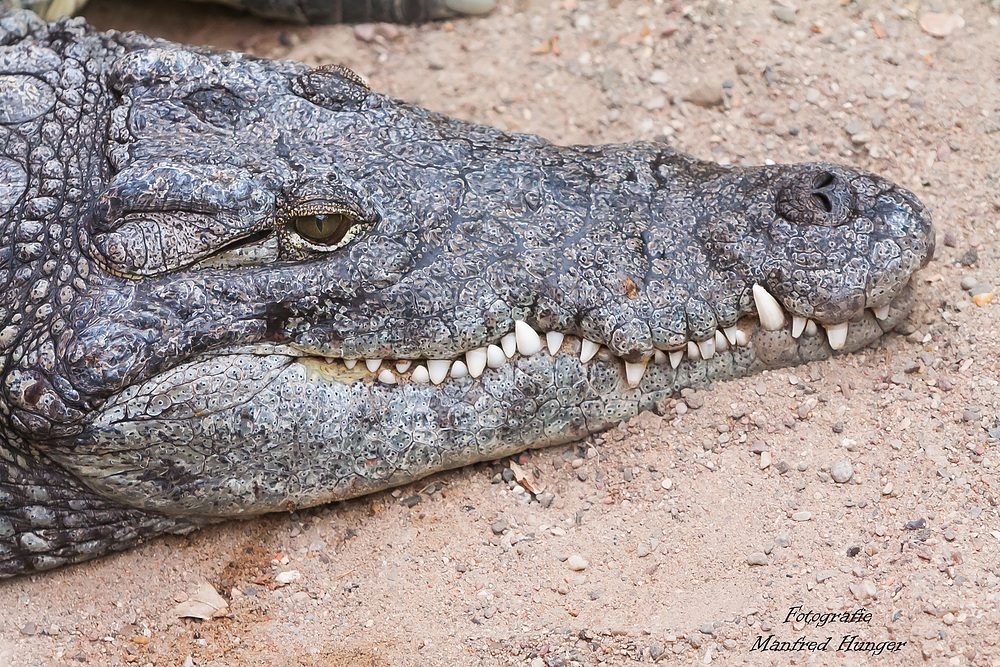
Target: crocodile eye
324,229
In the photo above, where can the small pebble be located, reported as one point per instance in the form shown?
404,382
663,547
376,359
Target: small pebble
784,14
577,563
498,527
939,24
823,575
916,524
854,127
983,299
285,578
968,282
801,516
757,558
667,484
365,32
655,651
866,589
842,472
765,459
706,95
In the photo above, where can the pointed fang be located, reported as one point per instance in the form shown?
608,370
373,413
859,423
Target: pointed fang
437,370
798,326
476,360
495,357
837,333
528,342
588,350
634,372
721,342
772,317
509,344
554,340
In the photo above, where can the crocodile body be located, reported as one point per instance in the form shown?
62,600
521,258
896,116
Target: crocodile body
236,286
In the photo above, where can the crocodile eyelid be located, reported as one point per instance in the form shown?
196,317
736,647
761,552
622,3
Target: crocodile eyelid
343,72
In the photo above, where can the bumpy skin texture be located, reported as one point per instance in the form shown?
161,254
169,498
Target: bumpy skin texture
173,348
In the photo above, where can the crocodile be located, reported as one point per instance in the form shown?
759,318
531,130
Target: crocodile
237,286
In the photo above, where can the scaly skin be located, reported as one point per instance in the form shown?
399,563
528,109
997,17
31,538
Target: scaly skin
176,350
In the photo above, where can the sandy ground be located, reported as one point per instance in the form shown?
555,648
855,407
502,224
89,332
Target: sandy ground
666,511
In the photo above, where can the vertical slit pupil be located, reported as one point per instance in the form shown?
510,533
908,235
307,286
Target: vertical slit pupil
326,229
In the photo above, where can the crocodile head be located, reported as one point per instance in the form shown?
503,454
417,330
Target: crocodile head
284,289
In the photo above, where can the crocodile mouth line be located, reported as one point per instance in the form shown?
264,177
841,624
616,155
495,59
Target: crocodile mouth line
526,341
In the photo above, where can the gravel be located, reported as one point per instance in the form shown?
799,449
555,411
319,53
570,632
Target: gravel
842,472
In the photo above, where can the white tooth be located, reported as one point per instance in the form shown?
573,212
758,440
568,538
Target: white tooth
459,369
387,377
420,375
742,338
730,334
707,348
881,313
509,344
350,363
437,370
588,349
676,357
554,340
495,357
476,361
798,326
772,317
329,360
403,366
837,333
694,354
811,329
528,342
634,372
659,357
721,344
373,364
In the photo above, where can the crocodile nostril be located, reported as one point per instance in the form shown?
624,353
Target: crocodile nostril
815,197
824,201
824,179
